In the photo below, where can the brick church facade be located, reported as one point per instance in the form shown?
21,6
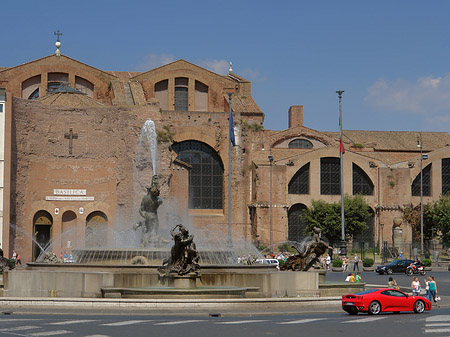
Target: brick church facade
70,156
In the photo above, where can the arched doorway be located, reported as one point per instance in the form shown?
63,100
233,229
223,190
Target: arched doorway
96,235
296,225
42,229
69,230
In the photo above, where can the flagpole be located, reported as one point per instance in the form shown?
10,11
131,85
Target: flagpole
231,136
341,151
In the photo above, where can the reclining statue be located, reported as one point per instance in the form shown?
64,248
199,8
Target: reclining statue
309,256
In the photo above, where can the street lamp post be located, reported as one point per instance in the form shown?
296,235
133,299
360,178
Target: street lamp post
270,204
341,150
419,145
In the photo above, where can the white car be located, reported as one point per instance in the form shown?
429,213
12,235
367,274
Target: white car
269,261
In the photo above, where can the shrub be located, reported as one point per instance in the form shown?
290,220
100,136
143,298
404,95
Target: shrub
337,263
367,262
427,262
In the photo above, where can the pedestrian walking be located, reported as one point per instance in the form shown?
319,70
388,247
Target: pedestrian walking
328,261
344,263
415,286
433,289
356,263
18,259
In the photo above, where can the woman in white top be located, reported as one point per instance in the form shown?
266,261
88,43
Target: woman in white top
415,285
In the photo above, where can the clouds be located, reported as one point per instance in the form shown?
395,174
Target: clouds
218,66
153,61
428,97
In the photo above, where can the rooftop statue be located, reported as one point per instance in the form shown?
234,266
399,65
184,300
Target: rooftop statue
183,254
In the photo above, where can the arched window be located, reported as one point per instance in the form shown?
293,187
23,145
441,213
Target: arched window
299,183
161,93
30,87
445,175
300,144
181,93
426,183
201,96
330,176
206,175
56,80
361,182
84,86
296,224
96,230
69,229
42,229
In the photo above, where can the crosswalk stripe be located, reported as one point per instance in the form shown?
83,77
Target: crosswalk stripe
243,322
438,318
437,324
364,320
180,322
20,328
437,330
74,322
125,323
300,321
51,333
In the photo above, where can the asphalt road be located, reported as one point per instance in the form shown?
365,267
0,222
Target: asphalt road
442,279
432,323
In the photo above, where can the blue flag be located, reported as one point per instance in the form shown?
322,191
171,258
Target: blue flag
233,141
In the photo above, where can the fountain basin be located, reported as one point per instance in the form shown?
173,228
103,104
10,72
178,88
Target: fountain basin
77,280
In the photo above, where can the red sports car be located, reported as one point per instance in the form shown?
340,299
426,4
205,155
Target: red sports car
374,301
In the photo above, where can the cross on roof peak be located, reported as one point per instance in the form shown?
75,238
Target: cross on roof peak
58,34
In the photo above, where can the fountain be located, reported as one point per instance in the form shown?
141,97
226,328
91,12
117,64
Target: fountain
138,261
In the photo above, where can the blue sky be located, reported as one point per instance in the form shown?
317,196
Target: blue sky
390,57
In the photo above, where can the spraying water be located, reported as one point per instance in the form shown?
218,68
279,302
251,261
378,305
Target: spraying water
148,140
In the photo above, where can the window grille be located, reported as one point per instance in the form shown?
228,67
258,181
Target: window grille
206,175
330,176
299,183
361,182
296,224
426,183
300,144
445,175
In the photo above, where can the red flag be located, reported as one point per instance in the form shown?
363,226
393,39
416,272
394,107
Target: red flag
342,146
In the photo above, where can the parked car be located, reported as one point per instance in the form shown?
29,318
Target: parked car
375,301
397,266
274,262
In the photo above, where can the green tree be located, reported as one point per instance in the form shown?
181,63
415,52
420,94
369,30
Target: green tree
327,216
411,214
441,217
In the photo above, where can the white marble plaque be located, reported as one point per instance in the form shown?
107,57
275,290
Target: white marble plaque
68,198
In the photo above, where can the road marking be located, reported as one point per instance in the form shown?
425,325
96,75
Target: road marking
437,324
243,322
126,323
51,333
364,320
437,330
74,322
181,322
20,328
300,321
438,318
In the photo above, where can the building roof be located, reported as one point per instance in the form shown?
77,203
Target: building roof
69,99
394,140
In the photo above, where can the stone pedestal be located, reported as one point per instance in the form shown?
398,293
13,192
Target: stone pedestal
398,239
181,282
